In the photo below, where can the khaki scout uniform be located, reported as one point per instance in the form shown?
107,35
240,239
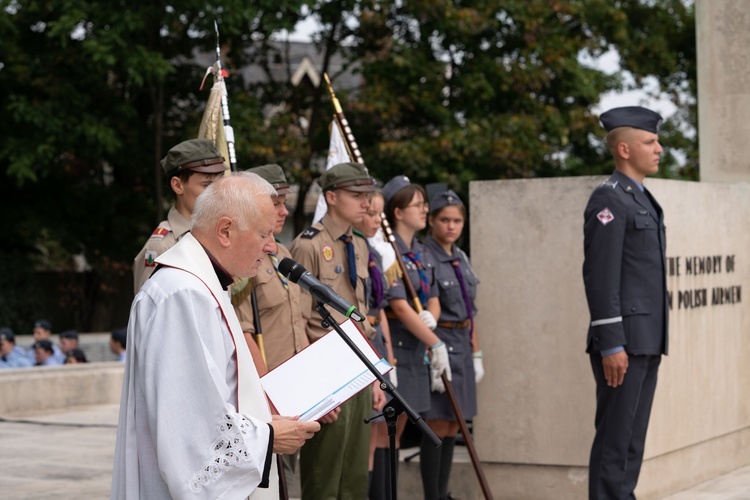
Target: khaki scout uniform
319,250
164,237
333,464
280,313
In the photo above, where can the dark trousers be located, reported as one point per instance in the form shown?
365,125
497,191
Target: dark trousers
622,415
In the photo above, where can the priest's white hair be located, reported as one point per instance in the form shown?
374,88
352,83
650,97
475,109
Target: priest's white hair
234,196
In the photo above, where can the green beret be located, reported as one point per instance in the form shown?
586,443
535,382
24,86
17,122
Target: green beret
198,155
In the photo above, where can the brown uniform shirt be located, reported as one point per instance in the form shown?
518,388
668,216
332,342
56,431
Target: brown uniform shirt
280,314
319,250
163,238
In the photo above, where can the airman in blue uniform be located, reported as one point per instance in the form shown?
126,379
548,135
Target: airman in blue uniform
624,273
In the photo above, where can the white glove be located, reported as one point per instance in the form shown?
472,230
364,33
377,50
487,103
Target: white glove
394,378
478,367
439,361
428,319
436,381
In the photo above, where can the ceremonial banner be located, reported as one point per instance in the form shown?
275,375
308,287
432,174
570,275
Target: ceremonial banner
337,153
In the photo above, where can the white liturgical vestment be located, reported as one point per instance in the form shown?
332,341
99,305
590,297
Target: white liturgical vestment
193,415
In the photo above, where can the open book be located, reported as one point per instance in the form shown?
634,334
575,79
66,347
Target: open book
323,375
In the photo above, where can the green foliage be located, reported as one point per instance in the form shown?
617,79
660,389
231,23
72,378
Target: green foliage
94,92
485,90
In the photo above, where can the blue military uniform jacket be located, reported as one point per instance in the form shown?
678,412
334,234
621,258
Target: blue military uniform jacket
624,269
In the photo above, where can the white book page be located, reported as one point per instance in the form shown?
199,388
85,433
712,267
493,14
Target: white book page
322,376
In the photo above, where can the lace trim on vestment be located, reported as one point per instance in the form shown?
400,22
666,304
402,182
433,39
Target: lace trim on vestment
228,451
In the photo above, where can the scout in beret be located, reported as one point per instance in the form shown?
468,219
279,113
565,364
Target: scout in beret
625,282
190,167
445,199
457,286
394,185
412,332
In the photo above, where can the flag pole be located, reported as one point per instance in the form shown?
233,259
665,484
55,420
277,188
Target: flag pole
228,130
343,124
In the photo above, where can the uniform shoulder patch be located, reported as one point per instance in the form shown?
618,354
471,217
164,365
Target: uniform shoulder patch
605,216
160,232
150,258
309,233
609,183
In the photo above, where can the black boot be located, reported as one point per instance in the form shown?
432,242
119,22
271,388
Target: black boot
429,465
446,461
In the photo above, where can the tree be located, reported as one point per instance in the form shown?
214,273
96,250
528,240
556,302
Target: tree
95,92
484,90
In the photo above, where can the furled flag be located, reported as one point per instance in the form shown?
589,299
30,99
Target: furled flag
212,124
337,153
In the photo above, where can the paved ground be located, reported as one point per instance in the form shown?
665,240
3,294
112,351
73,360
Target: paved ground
732,486
71,459
67,455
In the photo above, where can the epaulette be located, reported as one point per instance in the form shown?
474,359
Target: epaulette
309,233
359,233
160,232
610,183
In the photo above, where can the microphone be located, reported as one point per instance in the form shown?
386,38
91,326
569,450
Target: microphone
320,291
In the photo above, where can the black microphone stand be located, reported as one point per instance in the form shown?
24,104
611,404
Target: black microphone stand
395,407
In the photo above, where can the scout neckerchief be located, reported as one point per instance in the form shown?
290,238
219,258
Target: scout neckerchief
275,262
424,289
350,257
456,263
378,291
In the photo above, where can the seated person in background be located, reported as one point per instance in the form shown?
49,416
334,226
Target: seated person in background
68,342
117,343
43,331
11,356
44,353
75,356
